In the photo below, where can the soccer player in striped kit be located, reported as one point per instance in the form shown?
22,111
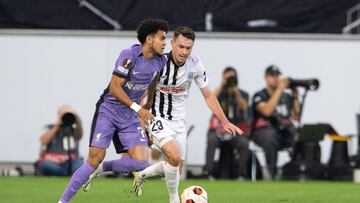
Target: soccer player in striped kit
168,131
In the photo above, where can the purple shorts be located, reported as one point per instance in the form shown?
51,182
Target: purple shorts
114,121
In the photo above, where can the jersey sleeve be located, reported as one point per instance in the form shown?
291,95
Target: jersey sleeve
201,79
258,97
124,63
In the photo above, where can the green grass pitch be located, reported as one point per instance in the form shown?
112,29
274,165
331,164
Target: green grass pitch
43,189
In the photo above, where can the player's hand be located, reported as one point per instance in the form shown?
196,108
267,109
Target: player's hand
145,115
232,129
146,106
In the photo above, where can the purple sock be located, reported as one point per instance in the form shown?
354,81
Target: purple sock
77,180
124,165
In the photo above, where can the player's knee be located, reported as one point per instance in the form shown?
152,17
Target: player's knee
174,159
94,161
95,158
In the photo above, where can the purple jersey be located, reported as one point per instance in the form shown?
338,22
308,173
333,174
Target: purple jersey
137,70
113,118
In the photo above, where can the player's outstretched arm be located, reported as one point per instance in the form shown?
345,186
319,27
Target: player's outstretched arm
118,92
215,107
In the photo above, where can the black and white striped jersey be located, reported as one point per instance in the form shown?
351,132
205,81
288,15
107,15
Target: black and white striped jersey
174,85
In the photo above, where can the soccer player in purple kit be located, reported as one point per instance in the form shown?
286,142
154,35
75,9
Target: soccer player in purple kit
117,111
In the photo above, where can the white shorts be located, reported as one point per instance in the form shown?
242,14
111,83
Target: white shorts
162,131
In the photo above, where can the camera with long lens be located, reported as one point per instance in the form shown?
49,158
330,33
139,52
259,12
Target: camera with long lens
231,82
310,84
68,119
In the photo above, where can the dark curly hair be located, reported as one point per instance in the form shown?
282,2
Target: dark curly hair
150,26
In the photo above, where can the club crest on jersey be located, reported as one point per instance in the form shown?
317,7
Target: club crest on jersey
127,63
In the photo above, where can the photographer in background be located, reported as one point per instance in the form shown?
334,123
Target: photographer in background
60,145
234,103
273,114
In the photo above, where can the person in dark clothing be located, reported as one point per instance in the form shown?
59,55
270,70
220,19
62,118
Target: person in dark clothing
234,102
60,145
274,111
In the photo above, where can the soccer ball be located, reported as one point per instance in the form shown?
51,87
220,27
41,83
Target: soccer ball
194,194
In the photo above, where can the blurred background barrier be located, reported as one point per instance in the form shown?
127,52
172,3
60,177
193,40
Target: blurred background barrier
301,16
